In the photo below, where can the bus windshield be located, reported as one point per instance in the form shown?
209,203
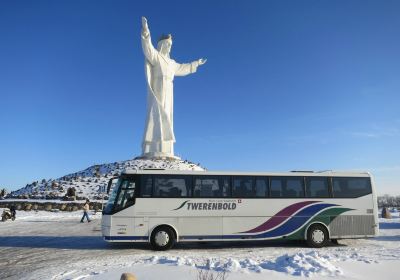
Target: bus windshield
122,196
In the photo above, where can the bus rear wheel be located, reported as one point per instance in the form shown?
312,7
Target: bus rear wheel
162,238
317,236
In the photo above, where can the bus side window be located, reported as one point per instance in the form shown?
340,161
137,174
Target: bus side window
243,187
359,186
276,187
351,187
171,186
261,187
317,187
294,187
287,187
211,186
206,187
226,187
146,187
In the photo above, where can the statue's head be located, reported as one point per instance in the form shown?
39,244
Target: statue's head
164,44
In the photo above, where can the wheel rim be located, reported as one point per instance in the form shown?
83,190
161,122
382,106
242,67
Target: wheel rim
318,236
161,238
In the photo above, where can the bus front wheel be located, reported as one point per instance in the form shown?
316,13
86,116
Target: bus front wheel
317,236
162,238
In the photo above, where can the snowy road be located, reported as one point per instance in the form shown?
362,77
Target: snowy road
56,246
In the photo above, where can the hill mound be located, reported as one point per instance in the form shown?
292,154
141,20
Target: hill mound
89,183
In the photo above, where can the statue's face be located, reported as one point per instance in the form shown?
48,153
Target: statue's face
164,46
168,45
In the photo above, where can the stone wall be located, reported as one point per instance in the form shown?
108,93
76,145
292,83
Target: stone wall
49,206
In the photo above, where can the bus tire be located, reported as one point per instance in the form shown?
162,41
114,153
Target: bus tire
317,236
162,238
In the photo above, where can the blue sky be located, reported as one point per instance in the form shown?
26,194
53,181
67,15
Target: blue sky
288,85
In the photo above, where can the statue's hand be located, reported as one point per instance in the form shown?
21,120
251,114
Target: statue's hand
145,27
144,23
202,61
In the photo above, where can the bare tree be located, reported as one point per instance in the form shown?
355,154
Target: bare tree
3,192
388,201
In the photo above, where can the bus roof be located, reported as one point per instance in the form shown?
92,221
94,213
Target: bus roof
233,173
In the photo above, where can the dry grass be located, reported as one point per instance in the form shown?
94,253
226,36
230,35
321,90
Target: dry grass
211,275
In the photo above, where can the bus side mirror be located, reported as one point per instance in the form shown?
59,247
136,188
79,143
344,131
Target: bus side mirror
110,183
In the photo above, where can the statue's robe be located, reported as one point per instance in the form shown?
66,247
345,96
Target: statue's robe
159,138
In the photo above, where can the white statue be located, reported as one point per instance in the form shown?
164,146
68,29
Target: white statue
160,69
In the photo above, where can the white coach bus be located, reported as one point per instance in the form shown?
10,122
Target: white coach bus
164,207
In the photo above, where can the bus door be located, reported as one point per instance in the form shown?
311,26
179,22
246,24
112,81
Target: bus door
123,218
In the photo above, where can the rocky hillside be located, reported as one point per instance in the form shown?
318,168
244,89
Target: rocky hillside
89,183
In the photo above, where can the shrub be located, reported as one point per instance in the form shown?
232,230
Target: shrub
71,191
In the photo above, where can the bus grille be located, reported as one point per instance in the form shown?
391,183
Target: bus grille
352,225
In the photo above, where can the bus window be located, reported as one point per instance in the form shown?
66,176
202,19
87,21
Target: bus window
276,187
317,187
287,187
294,187
210,186
126,195
351,187
110,203
261,187
171,186
243,187
146,187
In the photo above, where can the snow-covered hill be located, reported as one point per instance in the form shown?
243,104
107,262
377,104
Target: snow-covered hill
90,181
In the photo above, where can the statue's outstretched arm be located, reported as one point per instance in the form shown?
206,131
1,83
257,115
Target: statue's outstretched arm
188,68
149,51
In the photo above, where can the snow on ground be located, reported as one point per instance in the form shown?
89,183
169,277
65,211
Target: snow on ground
47,245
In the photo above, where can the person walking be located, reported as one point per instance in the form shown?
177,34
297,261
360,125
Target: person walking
13,211
86,211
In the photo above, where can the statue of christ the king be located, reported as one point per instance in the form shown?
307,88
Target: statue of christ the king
160,70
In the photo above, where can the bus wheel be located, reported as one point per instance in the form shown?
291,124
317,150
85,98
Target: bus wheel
162,238
317,236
